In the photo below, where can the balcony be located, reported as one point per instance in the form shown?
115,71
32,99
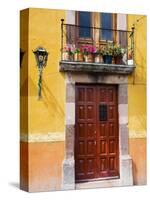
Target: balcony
93,49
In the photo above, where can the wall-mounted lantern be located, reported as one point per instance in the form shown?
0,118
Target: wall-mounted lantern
21,56
41,56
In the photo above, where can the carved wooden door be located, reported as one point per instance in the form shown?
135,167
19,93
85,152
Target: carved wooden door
96,132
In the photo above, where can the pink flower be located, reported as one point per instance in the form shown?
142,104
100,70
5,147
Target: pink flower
88,49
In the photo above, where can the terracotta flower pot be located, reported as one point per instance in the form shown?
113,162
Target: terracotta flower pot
66,56
98,58
71,58
78,57
118,60
113,60
89,58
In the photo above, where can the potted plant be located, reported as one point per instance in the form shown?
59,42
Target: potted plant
98,58
78,56
118,53
107,53
88,53
67,54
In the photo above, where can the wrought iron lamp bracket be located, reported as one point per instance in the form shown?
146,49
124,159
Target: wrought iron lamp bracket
41,56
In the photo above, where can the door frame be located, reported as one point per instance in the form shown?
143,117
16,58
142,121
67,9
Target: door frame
125,161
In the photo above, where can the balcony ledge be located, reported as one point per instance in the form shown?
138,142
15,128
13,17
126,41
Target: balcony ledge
67,66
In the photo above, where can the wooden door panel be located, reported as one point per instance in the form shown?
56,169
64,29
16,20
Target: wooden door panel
112,163
81,112
112,146
103,129
81,95
112,129
81,130
102,168
90,94
91,165
102,94
103,147
91,148
85,168
111,112
111,95
80,168
90,109
91,130
96,135
81,148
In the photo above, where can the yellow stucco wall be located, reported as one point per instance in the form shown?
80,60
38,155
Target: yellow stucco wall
137,81
46,115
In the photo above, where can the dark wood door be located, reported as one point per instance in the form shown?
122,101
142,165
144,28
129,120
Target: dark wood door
96,132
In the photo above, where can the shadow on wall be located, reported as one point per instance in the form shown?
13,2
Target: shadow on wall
134,169
140,57
140,73
52,99
52,104
23,98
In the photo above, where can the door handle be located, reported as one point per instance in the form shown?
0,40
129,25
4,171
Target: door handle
94,142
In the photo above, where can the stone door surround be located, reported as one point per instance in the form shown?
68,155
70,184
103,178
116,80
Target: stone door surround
68,173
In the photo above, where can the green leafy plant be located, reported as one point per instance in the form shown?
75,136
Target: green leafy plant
107,50
77,50
98,51
118,51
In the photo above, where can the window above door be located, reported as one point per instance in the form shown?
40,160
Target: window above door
105,21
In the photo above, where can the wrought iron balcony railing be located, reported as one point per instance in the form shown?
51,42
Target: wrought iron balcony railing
96,45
